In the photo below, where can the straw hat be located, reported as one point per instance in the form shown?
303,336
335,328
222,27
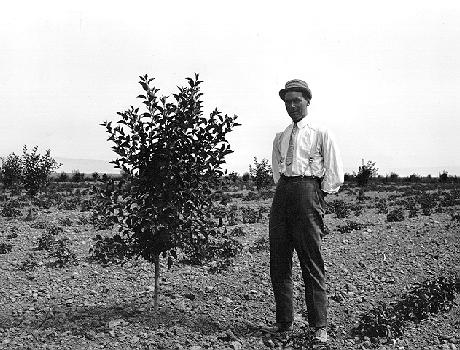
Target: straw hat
296,85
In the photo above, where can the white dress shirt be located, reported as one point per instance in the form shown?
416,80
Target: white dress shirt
315,154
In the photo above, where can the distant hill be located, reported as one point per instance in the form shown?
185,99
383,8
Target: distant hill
434,171
87,166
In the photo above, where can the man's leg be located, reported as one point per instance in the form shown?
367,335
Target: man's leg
308,224
281,250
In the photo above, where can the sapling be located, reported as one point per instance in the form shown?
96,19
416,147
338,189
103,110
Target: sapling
171,156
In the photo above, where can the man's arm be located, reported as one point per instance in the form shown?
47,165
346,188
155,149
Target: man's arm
276,156
333,177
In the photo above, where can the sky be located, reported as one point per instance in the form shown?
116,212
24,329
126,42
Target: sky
385,76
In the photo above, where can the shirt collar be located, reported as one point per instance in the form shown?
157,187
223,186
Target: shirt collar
302,123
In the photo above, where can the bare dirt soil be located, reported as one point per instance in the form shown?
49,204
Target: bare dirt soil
84,305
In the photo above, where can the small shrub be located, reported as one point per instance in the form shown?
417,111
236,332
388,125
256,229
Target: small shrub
54,229
361,195
237,232
236,195
443,177
63,177
455,217
449,200
411,205
37,169
83,220
351,226
395,215
30,263
11,171
266,194
61,254
340,208
77,176
414,178
48,239
261,173
223,198
12,235
232,216
223,247
11,209
43,202
219,212
365,173
65,221
250,216
45,241
357,209
428,297
382,206
39,224
427,203
71,203
220,265
95,176
251,196
5,248
260,244
86,205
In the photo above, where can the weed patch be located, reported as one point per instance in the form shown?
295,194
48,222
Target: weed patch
351,226
5,248
259,245
395,215
340,208
428,297
11,209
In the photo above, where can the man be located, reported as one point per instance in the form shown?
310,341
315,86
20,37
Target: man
306,166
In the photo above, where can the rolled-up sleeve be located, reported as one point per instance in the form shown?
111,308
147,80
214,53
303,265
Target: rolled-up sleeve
334,175
276,156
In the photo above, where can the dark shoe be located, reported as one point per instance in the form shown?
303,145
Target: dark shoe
279,328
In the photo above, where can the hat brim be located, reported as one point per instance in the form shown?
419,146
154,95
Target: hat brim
283,92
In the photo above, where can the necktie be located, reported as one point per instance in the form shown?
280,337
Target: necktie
290,152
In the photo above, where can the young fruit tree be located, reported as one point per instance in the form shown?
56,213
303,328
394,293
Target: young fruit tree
170,155
261,174
11,171
36,170
365,173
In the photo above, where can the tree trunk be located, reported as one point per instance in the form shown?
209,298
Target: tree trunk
157,283
361,194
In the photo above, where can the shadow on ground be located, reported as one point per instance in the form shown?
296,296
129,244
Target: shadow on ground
82,319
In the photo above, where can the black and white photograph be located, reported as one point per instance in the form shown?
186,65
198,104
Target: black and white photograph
241,175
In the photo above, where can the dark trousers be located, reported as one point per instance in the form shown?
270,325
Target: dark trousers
296,222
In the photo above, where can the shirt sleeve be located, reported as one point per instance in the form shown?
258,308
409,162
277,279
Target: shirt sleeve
276,156
334,175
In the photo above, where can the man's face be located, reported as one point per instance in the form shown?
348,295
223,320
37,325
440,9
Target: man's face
296,105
